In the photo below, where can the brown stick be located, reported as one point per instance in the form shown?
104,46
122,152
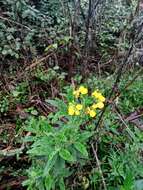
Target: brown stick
99,166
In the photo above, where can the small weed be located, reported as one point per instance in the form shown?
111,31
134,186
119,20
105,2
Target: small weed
59,142
4,104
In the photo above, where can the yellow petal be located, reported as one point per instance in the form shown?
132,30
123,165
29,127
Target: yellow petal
95,94
83,90
92,113
100,105
79,106
94,106
101,98
76,93
71,110
77,112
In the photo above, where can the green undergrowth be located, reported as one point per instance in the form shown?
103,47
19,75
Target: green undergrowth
60,147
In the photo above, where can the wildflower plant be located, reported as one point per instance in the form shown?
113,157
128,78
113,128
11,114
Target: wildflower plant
85,104
60,140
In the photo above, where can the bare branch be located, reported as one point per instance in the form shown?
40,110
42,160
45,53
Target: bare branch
14,22
99,166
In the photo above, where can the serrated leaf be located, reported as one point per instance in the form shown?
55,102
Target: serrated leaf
81,148
66,155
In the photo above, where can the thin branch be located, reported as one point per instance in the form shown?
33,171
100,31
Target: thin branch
124,123
63,8
99,166
16,23
86,45
68,12
91,8
88,24
94,7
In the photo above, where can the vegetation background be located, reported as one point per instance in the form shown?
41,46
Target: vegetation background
47,47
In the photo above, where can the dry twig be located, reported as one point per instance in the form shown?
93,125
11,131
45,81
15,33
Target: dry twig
99,166
14,22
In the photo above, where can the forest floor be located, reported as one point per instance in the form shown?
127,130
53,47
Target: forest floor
24,96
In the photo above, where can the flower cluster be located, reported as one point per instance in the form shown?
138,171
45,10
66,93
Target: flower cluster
86,107
74,109
82,90
100,99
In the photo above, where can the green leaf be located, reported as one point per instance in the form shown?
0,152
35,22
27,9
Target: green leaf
81,148
57,103
15,93
49,182
51,162
34,112
85,136
128,183
61,184
55,46
66,155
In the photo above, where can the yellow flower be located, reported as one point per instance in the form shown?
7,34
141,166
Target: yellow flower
71,110
79,106
101,98
100,105
92,113
94,106
76,93
95,94
77,112
83,90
